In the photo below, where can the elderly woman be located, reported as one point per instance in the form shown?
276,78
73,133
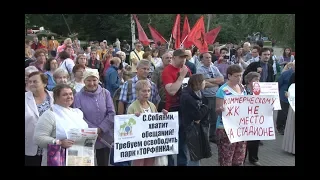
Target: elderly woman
97,106
61,76
27,71
252,146
112,79
57,121
288,144
78,82
193,111
229,154
51,66
37,101
283,83
142,105
41,59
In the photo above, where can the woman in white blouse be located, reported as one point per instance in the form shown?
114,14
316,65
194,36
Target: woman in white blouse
59,119
156,59
37,101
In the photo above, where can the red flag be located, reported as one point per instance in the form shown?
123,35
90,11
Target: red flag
156,36
142,35
197,36
185,32
212,35
176,32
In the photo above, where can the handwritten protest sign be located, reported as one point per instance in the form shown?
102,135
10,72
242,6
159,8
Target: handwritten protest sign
248,118
270,89
149,135
292,96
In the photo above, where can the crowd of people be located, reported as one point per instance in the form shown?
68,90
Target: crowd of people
69,86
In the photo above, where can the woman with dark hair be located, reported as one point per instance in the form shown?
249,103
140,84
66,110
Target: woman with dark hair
51,65
53,125
286,57
229,154
192,111
238,58
195,57
252,146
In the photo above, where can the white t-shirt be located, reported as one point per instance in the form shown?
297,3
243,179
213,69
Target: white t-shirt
68,65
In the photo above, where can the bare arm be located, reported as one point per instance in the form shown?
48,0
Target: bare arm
217,80
219,106
173,88
120,107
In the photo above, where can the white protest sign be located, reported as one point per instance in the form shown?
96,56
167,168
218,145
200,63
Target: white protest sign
268,88
292,95
146,136
248,118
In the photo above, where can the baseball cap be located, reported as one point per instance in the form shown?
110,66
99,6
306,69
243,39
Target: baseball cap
180,53
104,41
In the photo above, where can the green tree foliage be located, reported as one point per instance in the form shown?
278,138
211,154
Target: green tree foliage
235,27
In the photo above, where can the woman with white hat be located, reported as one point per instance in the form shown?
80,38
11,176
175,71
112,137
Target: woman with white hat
97,106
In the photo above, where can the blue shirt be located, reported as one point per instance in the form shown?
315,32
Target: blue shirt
283,83
223,91
112,80
51,83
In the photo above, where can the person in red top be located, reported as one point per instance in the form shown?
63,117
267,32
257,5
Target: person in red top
36,44
172,78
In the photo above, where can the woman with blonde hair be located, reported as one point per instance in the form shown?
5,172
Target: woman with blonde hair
54,124
37,101
140,106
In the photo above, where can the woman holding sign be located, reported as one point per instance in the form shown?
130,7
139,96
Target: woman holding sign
229,154
142,105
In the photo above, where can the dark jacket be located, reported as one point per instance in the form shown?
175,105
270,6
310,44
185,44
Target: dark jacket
192,108
253,68
284,83
191,66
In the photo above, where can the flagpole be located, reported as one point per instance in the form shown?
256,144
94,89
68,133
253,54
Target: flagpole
133,29
170,41
184,39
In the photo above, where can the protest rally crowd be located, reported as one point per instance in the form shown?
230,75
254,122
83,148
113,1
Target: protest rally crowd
68,86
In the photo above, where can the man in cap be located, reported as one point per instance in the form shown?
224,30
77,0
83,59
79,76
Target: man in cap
172,78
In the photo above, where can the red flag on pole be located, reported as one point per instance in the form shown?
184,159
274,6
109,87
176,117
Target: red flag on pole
197,36
142,35
185,32
156,36
212,35
176,32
